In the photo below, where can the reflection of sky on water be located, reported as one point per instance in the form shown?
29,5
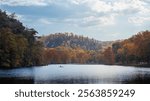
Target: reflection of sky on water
78,73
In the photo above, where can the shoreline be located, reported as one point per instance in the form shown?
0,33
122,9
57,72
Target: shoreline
133,65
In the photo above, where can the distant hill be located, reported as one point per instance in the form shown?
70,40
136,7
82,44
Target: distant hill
71,40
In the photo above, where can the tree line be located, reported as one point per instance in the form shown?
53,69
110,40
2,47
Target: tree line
131,51
66,55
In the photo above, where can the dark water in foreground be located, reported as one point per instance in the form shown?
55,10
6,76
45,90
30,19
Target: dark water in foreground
76,74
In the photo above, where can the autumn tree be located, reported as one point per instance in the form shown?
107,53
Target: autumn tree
108,56
134,50
18,47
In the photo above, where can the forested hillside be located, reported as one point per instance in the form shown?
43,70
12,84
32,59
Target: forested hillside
133,51
69,48
18,47
73,41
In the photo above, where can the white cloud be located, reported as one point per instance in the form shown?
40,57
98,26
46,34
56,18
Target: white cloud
24,2
77,2
118,5
138,20
92,21
94,5
99,6
110,20
100,12
44,21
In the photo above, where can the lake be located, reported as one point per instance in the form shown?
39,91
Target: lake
76,74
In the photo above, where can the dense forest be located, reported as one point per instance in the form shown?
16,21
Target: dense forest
20,47
133,51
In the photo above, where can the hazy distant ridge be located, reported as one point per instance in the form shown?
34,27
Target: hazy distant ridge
72,40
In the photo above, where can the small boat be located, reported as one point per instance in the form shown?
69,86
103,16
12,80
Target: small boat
61,66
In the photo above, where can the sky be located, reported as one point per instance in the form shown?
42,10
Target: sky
99,19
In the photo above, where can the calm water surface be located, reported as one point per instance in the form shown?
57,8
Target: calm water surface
76,74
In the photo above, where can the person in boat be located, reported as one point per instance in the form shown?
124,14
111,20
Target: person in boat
60,66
